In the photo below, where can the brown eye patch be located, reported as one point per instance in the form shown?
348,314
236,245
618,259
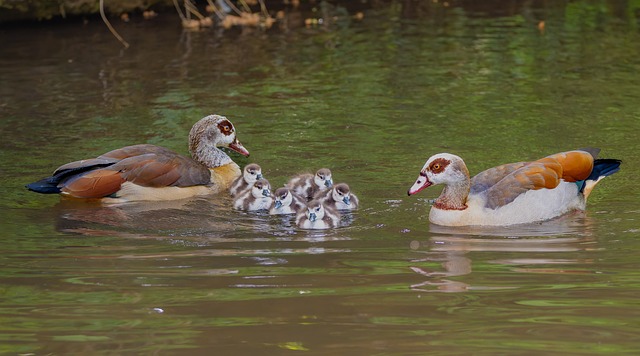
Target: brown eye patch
438,165
225,127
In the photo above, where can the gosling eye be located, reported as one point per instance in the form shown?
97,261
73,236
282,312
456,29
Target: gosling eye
318,209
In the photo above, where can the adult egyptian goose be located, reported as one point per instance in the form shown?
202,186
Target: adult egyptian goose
286,202
339,197
250,174
258,197
514,193
317,216
148,172
307,185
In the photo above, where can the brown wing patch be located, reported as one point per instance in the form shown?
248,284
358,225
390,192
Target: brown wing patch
150,172
544,173
533,176
576,165
157,170
137,150
95,184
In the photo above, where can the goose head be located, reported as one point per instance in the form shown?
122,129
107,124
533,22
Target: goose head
261,189
211,132
323,178
341,192
315,210
442,168
252,172
282,197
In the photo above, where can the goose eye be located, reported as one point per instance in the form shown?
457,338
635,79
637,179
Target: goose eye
226,128
436,166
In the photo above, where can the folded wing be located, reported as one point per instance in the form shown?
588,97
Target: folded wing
548,172
144,165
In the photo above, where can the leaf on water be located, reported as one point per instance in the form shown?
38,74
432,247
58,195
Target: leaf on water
296,346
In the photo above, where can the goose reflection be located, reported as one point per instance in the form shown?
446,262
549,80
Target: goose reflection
538,245
187,217
196,220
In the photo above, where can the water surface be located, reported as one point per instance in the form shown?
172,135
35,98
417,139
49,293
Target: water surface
370,99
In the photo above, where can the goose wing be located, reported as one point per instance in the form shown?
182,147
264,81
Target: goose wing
546,173
144,165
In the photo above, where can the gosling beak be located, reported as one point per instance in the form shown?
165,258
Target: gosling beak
346,200
328,183
421,183
259,176
312,216
266,193
238,147
278,204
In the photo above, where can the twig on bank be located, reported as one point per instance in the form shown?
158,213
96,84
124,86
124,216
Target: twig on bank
263,8
179,10
113,31
216,10
191,9
233,7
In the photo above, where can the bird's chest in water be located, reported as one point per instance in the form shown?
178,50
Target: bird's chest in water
224,176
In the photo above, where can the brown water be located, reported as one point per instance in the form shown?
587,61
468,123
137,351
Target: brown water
372,100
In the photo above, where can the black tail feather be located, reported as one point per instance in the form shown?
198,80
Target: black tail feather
51,185
601,168
45,186
604,167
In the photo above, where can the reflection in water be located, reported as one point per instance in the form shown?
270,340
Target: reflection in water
451,247
193,220
169,216
576,222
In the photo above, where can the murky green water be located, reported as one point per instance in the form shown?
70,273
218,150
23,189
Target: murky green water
370,99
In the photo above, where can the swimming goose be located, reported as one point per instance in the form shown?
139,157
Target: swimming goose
257,198
250,174
317,216
286,202
339,197
149,172
307,185
514,193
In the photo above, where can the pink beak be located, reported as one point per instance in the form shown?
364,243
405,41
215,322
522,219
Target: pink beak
238,147
421,183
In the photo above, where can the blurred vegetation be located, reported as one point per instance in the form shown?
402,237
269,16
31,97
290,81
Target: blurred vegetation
39,10
16,10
